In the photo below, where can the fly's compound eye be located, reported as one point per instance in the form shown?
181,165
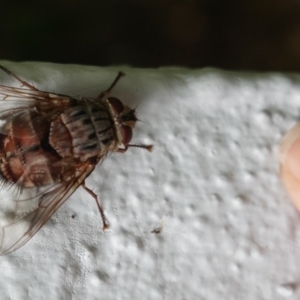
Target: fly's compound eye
116,105
126,133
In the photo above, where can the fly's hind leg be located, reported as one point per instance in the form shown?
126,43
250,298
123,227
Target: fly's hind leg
105,224
24,83
104,93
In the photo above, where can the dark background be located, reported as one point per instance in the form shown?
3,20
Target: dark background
259,35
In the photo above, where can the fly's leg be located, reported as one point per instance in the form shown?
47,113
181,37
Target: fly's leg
24,83
105,224
104,93
147,147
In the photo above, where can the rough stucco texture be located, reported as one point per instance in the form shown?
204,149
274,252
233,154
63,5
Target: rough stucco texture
229,230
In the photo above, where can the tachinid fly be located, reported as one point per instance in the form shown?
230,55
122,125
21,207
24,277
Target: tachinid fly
49,144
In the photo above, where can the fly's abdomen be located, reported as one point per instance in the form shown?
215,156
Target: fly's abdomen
26,157
83,132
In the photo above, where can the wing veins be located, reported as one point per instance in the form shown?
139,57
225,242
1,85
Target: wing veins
43,213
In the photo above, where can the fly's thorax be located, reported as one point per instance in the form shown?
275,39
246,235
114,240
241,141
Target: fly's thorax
83,131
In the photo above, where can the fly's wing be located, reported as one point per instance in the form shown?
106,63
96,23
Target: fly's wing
21,218
13,100
23,211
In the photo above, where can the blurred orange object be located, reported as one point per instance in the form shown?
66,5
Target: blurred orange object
290,163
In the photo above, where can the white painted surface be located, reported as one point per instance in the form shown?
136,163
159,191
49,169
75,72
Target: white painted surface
229,230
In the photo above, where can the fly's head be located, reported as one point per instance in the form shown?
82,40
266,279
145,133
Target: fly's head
124,118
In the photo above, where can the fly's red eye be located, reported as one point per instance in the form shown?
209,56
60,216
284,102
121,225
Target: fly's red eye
116,104
126,132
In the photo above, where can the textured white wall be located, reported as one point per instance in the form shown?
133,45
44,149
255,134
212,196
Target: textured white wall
229,230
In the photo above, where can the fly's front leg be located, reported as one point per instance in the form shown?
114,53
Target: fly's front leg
104,93
105,224
24,83
147,147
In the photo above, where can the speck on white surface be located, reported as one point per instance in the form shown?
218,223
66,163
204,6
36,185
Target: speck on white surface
228,228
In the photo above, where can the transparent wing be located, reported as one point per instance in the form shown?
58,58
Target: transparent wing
9,93
14,99
21,219
25,115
